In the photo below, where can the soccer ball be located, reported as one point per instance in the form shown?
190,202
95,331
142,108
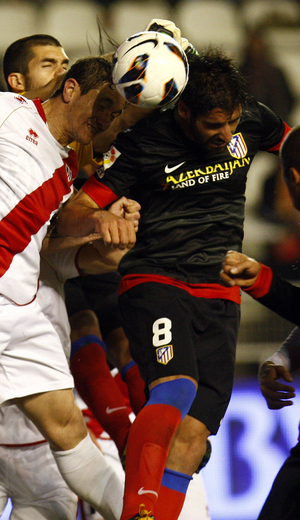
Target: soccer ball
150,70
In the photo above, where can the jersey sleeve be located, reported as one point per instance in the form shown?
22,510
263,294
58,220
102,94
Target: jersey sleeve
277,294
117,175
273,130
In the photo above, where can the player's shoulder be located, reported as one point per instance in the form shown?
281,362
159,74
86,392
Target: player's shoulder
255,111
14,99
11,102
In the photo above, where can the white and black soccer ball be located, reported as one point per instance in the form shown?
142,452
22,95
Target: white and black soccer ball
150,70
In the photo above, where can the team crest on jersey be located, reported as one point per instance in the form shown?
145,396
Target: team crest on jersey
237,146
164,354
21,99
110,157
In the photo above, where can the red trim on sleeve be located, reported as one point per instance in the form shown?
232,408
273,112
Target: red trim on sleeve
100,193
263,283
276,148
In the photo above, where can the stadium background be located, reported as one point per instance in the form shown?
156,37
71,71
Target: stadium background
253,441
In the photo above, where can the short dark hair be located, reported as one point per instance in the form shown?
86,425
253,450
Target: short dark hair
18,55
290,151
89,73
215,81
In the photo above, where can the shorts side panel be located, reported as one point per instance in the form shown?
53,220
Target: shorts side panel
32,358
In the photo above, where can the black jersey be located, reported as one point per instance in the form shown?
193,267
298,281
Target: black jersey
192,202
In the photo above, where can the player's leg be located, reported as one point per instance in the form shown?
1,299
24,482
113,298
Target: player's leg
89,366
283,501
37,376
93,379
215,324
150,316
3,480
38,490
102,294
118,347
195,506
80,462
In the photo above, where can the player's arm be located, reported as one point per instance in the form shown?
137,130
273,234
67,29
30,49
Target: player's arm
262,284
96,257
239,269
82,216
280,366
53,242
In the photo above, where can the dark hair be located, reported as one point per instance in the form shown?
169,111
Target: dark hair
214,82
89,73
18,55
290,151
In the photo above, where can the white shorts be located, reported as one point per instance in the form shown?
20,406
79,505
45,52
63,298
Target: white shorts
31,355
30,477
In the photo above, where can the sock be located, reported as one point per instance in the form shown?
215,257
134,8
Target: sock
89,475
149,441
172,492
98,389
136,386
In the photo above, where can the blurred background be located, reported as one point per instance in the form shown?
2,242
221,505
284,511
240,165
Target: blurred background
263,36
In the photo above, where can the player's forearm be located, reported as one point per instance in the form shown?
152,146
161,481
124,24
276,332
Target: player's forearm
291,349
97,258
76,220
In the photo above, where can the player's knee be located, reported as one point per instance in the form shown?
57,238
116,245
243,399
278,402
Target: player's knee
179,393
84,322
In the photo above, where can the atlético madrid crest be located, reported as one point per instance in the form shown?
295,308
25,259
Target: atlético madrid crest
164,354
237,146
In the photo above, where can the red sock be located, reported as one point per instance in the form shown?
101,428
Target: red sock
147,450
136,386
172,495
97,388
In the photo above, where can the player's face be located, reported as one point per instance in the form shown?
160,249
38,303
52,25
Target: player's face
93,113
48,62
215,130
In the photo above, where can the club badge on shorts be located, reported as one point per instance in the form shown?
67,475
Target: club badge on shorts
164,354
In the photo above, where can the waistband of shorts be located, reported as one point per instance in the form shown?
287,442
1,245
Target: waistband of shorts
200,290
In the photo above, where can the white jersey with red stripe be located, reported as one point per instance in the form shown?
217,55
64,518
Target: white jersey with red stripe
36,176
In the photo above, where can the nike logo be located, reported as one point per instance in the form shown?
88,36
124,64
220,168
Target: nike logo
169,170
142,491
111,410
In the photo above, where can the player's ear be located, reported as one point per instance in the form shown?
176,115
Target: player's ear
17,82
71,89
183,110
294,176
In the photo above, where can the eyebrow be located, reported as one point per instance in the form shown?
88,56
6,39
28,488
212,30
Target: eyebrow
55,60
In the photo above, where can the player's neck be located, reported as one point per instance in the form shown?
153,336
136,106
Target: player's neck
55,120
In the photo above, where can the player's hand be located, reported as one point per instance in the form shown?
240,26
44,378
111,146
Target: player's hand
277,395
128,209
168,27
239,269
116,232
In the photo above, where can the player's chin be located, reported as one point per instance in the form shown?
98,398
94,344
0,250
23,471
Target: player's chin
216,147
